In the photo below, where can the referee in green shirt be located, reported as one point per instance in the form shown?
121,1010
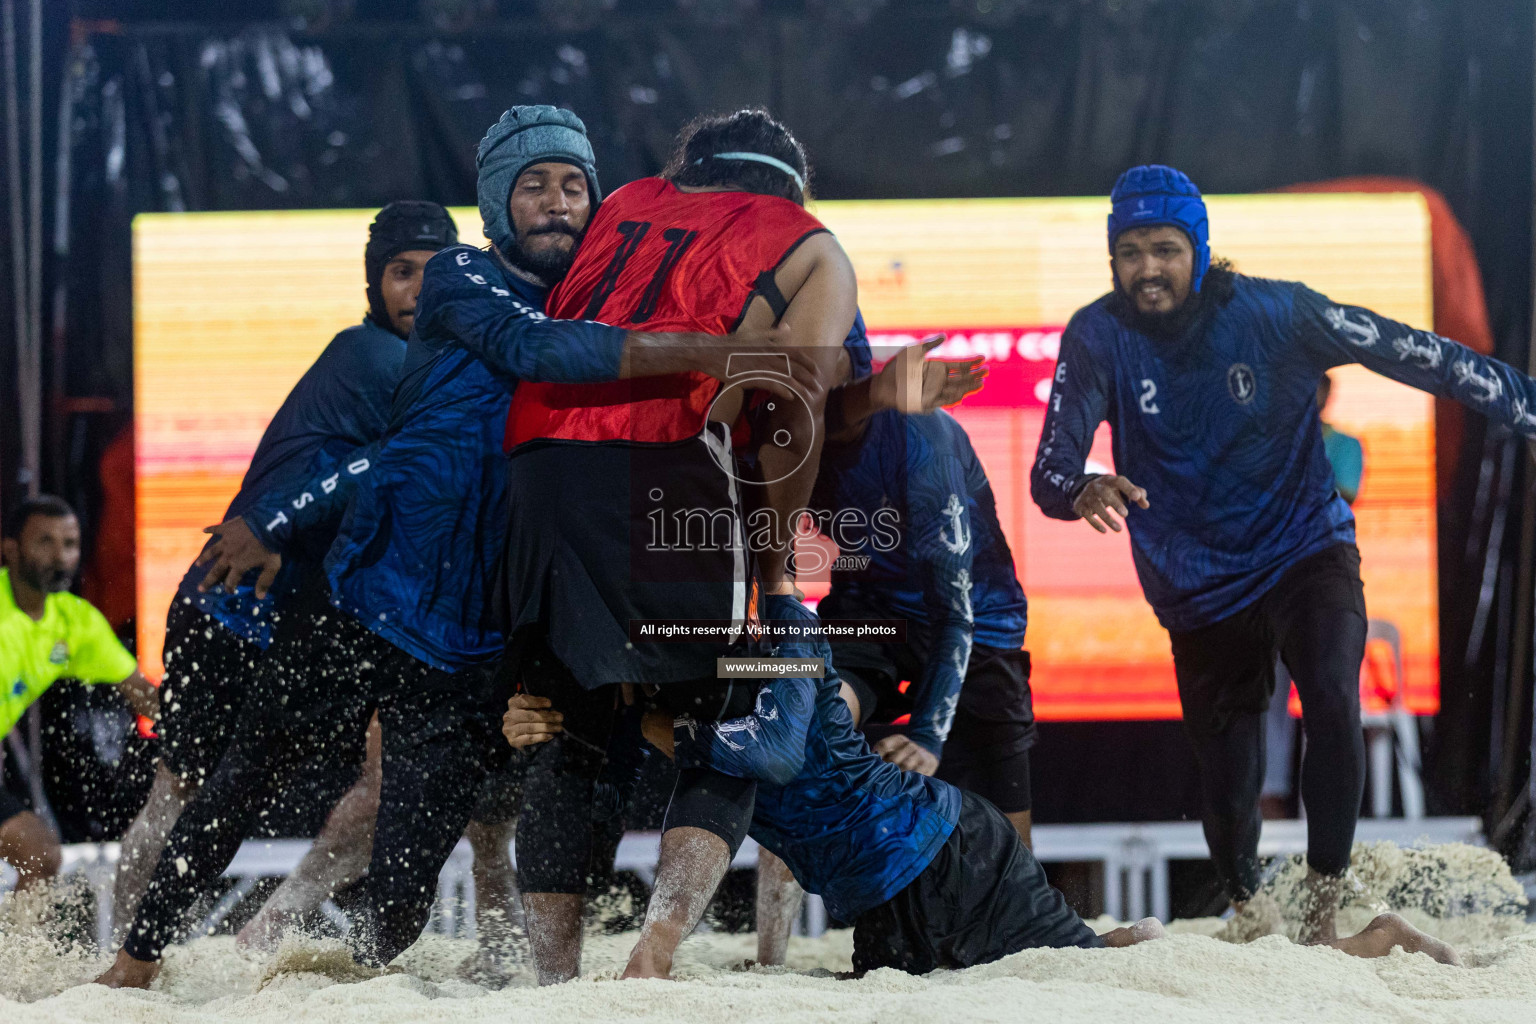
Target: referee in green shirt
46,634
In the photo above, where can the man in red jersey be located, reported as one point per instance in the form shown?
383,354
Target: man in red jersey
630,502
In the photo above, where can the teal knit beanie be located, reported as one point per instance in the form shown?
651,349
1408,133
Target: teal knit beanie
523,137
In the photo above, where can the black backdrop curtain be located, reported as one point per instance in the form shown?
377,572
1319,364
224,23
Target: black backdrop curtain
920,101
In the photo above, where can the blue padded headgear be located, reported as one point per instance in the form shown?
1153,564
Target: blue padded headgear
523,137
1154,194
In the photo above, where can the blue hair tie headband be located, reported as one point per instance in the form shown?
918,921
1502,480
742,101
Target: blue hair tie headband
761,158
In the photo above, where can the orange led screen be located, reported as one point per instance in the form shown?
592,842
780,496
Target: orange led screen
231,308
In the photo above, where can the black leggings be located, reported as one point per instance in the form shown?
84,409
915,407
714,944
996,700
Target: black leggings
312,697
1315,618
598,751
554,831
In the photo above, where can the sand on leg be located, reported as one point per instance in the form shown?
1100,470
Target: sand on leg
1145,930
554,932
693,860
143,842
495,897
778,901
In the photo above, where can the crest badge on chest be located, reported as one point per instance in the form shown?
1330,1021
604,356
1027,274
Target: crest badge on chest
1242,383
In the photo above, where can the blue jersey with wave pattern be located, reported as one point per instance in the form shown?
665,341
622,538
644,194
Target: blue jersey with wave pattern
422,512
1221,429
925,519
341,403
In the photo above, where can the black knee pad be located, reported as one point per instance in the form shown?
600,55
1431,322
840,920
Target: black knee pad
564,755
621,772
722,804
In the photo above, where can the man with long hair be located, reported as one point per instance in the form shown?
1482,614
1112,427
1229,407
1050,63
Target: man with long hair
1245,549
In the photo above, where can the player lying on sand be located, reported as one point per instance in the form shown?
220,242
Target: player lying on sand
929,875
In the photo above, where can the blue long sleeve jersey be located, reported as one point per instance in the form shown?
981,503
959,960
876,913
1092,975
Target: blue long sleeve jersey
912,497
854,829
422,511
1221,429
342,402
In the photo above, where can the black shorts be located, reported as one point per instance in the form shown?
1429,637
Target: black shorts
207,671
987,750
591,713
982,898
604,535
500,799
320,683
1227,669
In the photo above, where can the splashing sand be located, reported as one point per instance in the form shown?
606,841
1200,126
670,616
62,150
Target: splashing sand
1462,894
1189,977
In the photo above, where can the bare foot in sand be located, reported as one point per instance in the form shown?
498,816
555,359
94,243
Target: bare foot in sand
1388,931
1145,930
126,972
646,962
1320,908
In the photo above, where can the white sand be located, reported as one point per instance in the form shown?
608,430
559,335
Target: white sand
1192,976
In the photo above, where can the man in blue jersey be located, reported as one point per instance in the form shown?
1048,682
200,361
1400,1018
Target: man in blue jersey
401,622
931,876
1244,547
908,504
213,640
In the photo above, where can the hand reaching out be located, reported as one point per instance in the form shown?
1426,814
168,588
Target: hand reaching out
1104,495
912,383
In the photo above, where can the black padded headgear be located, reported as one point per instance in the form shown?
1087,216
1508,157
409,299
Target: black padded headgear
400,227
